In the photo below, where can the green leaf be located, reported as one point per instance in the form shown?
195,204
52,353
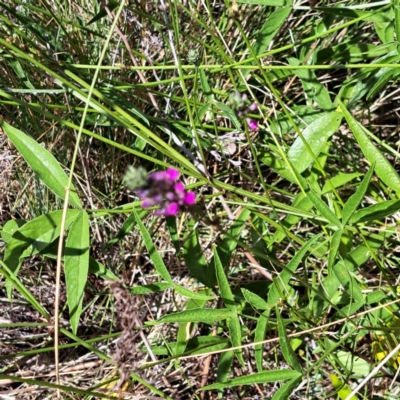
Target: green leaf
312,88
259,377
100,270
259,336
191,294
10,227
335,243
185,329
349,284
387,74
224,366
339,180
33,237
207,315
316,135
286,389
383,168
269,30
375,16
194,258
42,163
255,300
19,286
317,201
153,253
353,202
151,288
111,5
230,240
286,348
76,266
229,113
205,85
224,288
274,3
342,389
376,211
229,301
280,284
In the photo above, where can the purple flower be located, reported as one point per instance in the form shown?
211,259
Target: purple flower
252,123
162,189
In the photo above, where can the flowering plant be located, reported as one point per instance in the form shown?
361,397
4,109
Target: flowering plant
160,188
241,105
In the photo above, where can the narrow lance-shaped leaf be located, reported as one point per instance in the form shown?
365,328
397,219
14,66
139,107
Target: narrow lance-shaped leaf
153,253
42,163
259,377
286,348
353,202
196,315
316,135
76,265
229,301
383,168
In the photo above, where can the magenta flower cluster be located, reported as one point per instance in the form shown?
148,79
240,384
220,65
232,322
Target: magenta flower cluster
162,189
241,105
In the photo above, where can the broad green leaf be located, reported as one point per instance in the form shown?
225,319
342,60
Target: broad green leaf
286,389
255,300
353,202
313,89
259,336
385,32
396,9
229,113
375,297
342,389
349,284
224,366
195,260
383,168
280,284
207,315
33,237
355,365
76,266
42,163
153,253
10,227
335,243
316,135
339,180
185,329
259,377
286,348
376,211
151,288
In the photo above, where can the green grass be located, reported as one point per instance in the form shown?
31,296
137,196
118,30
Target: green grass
284,283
